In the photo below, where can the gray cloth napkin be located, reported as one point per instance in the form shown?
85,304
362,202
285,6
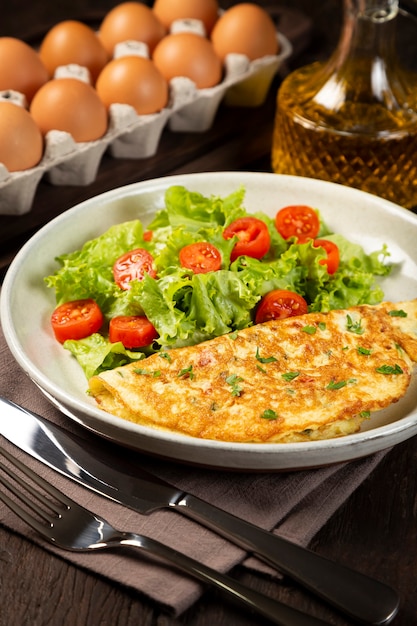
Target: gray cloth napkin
294,504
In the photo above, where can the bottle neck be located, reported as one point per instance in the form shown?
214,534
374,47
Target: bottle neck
369,30
376,10
364,67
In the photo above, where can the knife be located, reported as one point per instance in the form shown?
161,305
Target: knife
357,595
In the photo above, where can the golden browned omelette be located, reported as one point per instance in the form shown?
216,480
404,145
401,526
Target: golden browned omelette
309,377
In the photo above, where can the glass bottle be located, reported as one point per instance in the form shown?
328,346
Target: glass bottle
353,119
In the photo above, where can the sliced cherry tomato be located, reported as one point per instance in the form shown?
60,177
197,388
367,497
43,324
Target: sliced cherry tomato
253,236
298,221
134,331
279,304
76,319
200,257
332,260
132,265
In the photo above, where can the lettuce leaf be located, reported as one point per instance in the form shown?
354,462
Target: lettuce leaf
87,273
188,308
96,354
192,211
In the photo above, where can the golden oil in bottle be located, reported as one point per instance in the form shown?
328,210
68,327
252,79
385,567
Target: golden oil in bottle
353,120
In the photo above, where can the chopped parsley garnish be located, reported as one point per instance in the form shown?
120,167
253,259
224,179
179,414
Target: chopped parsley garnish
337,384
144,372
365,414
310,330
233,380
354,327
364,351
341,383
269,414
389,369
397,313
233,335
289,376
165,355
268,359
187,371
322,326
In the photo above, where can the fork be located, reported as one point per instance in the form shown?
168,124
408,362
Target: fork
68,525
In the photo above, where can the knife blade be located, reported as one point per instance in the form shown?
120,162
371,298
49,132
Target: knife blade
352,592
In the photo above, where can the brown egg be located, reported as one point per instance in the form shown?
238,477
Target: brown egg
21,141
245,29
132,21
168,11
133,80
73,42
21,68
189,55
70,105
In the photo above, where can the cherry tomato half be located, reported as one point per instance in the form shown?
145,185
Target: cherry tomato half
134,331
76,319
253,236
132,265
200,257
332,260
298,221
279,304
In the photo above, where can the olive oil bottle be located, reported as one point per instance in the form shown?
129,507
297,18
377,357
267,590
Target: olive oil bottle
353,119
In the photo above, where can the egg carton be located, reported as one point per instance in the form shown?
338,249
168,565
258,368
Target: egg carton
133,136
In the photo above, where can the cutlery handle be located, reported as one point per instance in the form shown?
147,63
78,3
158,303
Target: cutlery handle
276,611
357,595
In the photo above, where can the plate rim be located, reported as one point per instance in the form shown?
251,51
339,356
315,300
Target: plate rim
259,454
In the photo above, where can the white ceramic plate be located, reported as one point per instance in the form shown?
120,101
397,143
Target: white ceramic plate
361,217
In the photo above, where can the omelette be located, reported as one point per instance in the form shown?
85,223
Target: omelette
309,377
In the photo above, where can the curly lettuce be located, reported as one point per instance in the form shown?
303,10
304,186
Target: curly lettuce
188,308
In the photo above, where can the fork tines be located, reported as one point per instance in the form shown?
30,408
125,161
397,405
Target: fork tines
28,494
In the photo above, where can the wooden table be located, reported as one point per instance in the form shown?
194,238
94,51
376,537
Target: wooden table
375,530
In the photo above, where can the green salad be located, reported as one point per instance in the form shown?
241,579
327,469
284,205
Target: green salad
187,307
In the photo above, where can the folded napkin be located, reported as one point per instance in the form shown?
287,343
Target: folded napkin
293,504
